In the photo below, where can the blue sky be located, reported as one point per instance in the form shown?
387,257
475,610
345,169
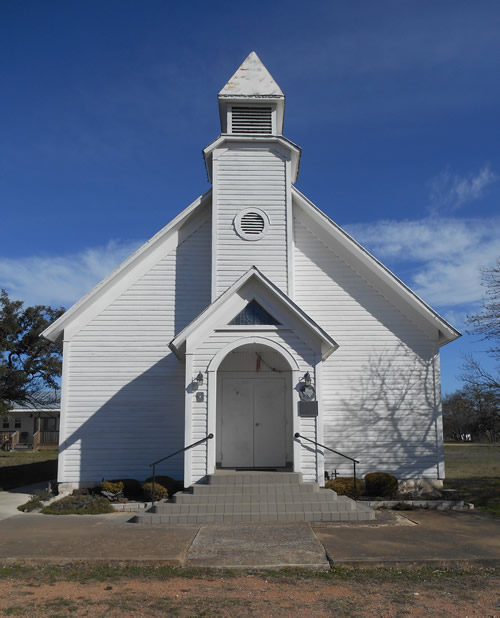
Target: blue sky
105,107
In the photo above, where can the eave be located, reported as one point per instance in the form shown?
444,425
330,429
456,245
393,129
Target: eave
294,150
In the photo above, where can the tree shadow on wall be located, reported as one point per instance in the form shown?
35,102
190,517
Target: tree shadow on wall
391,418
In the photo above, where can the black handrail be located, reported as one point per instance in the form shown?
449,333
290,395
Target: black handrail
181,450
354,461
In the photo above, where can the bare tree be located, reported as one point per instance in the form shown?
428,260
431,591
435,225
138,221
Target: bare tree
471,414
487,321
487,324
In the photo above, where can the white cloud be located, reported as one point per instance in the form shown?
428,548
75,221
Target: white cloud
443,256
448,192
61,280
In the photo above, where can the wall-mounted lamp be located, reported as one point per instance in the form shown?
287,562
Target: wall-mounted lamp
199,379
307,379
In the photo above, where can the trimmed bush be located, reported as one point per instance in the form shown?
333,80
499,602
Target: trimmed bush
114,487
118,489
79,505
161,493
112,490
132,489
171,484
344,486
381,484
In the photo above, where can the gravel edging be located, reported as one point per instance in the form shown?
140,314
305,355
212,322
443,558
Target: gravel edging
439,505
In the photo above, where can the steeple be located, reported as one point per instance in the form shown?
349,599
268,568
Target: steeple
252,103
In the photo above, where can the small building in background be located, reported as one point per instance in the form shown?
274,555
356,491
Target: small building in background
27,427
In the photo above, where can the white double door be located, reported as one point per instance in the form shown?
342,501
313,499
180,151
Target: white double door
253,420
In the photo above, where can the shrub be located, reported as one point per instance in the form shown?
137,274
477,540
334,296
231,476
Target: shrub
34,503
79,505
161,493
112,490
117,489
114,487
344,486
381,484
132,489
36,500
171,484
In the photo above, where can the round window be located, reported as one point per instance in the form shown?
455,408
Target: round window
251,223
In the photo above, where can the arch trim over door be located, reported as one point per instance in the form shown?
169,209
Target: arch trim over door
221,354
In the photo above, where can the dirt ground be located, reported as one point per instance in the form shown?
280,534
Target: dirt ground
239,594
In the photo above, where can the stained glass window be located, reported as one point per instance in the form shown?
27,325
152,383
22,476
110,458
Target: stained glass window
253,315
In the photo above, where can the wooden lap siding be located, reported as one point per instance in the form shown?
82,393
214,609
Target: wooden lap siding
125,389
245,178
380,394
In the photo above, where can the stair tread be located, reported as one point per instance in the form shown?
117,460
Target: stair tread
255,496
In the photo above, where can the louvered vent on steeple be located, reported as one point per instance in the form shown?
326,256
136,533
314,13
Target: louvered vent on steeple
246,119
252,223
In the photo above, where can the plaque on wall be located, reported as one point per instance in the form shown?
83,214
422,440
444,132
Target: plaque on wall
308,408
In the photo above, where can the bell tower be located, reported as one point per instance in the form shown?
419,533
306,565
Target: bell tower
252,167
251,103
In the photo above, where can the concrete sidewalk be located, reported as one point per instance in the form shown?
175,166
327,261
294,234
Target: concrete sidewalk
446,538
10,500
413,538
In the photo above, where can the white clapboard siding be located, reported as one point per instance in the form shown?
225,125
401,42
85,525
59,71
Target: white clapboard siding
379,394
245,178
125,389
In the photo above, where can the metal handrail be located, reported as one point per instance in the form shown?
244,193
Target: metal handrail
354,461
181,450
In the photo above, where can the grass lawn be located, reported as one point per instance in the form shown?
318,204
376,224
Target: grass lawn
18,468
474,470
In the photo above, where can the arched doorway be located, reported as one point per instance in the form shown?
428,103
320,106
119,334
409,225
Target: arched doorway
254,409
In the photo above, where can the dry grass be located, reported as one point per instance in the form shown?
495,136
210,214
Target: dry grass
18,468
474,471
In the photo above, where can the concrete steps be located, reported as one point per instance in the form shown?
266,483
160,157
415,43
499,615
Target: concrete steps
252,497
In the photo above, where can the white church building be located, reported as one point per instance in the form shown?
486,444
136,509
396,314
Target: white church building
251,317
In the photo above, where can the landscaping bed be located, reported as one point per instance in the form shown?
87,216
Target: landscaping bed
109,496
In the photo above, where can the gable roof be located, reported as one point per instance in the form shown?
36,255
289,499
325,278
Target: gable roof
55,331
329,232
178,343
251,79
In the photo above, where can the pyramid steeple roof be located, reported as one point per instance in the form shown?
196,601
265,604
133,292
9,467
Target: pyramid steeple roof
252,79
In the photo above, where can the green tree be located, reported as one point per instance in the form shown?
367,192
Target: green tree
29,364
